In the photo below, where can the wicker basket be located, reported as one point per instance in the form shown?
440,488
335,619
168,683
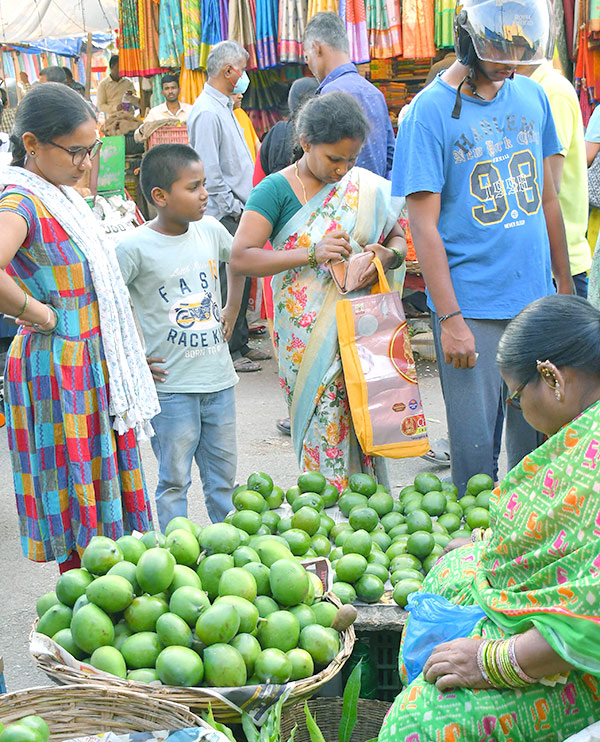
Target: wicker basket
328,712
169,135
196,698
82,710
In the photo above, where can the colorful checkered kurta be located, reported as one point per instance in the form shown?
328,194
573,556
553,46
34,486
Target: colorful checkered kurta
74,476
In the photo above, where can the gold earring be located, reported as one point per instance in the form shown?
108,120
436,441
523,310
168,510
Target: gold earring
32,153
557,394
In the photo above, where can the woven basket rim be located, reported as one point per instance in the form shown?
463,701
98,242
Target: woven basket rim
94,708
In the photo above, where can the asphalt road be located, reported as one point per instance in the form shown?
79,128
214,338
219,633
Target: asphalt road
259,403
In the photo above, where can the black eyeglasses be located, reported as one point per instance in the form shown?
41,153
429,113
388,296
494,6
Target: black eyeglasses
78,154
514,400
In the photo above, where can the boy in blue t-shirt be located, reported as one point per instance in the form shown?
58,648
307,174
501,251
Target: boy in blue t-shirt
471,159
171,266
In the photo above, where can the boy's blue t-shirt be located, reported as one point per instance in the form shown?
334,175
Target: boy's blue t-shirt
488,167
175,289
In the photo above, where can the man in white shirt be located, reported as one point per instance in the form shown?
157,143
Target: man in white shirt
172,107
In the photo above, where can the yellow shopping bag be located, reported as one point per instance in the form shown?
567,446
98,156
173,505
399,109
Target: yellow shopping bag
380,373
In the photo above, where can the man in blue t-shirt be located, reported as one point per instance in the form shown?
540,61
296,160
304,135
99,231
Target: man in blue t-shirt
471,158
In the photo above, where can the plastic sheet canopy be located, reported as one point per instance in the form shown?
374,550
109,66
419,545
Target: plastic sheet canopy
33,20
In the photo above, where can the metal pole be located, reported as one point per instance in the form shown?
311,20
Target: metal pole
88,66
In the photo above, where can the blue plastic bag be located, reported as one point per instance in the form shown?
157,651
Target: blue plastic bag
433,621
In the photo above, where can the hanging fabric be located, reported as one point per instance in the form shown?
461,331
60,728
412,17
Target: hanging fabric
384,24
138,38
242,27
356,28
211,28
418,29
292,22
192,33
170,33
191,83
444,23
266,32
224,17
320,6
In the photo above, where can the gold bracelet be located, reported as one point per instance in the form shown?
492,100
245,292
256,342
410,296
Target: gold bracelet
22,312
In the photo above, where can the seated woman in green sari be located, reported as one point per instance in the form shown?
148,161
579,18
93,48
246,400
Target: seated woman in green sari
530,669
317,210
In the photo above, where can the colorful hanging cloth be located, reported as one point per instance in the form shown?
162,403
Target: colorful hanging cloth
418,29
266,33
138,38
170,33
319,6
191,83
192,33
444,23
384,24
242,27
211,28
356,28
292,21
224,17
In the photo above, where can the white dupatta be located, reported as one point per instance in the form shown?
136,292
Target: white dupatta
132,395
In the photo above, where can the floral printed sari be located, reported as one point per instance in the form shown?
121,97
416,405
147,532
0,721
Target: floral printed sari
304,299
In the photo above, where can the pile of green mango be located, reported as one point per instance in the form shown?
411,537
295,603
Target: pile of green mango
382,539
196,606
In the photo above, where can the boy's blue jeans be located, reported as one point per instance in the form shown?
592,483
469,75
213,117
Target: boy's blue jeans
201,427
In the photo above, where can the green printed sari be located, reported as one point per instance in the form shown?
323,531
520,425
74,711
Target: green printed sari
540,567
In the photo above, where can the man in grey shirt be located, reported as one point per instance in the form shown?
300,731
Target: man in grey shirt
219,140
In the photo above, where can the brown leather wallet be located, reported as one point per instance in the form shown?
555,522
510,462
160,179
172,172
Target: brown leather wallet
346,274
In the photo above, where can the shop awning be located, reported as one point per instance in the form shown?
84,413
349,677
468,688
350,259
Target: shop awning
29,21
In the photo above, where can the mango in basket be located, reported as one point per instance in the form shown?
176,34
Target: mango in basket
280,630
155,570
44,602
100,555
321,643
179,666
302,664
273,666
289,582
249,647
224,666
28,729
210,570
91,628
109,659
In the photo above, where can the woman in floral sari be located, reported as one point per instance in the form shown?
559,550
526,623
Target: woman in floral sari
321,208
536,572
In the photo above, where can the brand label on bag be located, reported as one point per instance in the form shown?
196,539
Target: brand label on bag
389,384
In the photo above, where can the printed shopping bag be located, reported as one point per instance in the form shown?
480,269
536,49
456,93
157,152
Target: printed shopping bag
380,373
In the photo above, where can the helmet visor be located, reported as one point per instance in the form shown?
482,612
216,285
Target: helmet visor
514,32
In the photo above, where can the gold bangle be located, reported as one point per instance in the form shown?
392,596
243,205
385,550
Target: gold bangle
22,312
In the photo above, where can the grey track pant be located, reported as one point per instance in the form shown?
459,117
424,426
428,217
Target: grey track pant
475,404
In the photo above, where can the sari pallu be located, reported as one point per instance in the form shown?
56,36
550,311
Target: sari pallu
540,567
384,25
292,20
305,330
266,33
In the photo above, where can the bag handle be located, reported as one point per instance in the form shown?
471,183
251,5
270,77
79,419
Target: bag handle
382,286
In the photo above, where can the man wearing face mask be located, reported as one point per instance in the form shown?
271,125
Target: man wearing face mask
218,138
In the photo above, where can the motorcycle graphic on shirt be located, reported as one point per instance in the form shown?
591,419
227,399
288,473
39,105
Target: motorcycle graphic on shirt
188,313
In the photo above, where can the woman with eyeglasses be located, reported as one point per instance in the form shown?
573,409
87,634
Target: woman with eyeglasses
530,668
78,390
